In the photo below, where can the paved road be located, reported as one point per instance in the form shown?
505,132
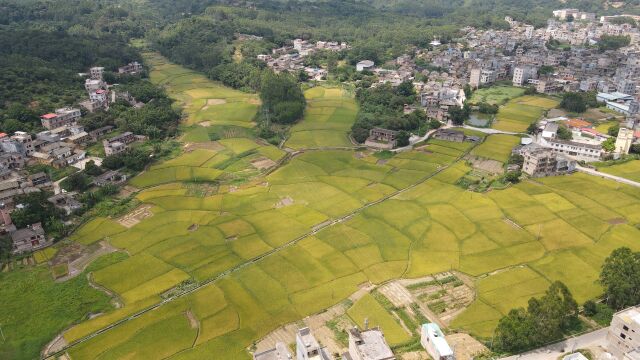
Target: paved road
592,339
493,131
607,176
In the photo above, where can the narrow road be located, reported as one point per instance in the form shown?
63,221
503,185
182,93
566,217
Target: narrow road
256,259
592,339
607,176
493,131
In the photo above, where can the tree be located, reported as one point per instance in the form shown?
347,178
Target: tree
402,139
564,133
532,128
468,92
90,168
609,145
545,70
513,176
282,99
613,130
613,42
590,308
620,277
573,102
459,114
406,89
76,182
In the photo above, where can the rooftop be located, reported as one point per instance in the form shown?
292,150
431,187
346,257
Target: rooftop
373,345
280,352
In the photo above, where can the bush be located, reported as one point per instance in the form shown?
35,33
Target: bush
590,308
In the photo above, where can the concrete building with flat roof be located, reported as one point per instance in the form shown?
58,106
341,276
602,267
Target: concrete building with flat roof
368,345
624,141
623,336
308,348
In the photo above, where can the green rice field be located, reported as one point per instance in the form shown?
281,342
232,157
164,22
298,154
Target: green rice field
496,94
496,147
629,170
328,118
306,236
518,113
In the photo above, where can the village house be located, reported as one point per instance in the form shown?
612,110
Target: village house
100,132
279,352
380,138
29,239
61,117
119,143
111,177
130,69
96,72
540,162
308,348
624,140
368,344
449,135
66,202
433,340
10,161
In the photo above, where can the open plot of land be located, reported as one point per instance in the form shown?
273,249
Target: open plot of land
518,113
496,147
329,115
531,230
369,308
496,94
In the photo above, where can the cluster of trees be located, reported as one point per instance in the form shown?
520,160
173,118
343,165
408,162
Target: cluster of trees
383,106
282,99
578,102
544,320
36,208
613,42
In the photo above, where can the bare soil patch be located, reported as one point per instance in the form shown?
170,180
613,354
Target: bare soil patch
206,123
263,163
466,346
210,145
284,202
138,214
488,165
617,221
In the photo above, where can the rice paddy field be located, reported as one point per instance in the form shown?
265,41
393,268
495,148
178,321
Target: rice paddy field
496,94
202,99
518,113
496,147
629,170
328,118
304,237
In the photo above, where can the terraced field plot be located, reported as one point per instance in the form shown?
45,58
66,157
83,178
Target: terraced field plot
555,228
329,115
518,113
496,147
203,100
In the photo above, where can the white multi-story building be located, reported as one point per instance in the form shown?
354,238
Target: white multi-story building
522,74
368,344
308,348
96,72
432,340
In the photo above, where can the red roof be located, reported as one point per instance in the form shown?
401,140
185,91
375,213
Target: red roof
48,116
578,123
99,91
3,135
636,134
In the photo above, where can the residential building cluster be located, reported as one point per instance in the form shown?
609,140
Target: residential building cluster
291,58
363,344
